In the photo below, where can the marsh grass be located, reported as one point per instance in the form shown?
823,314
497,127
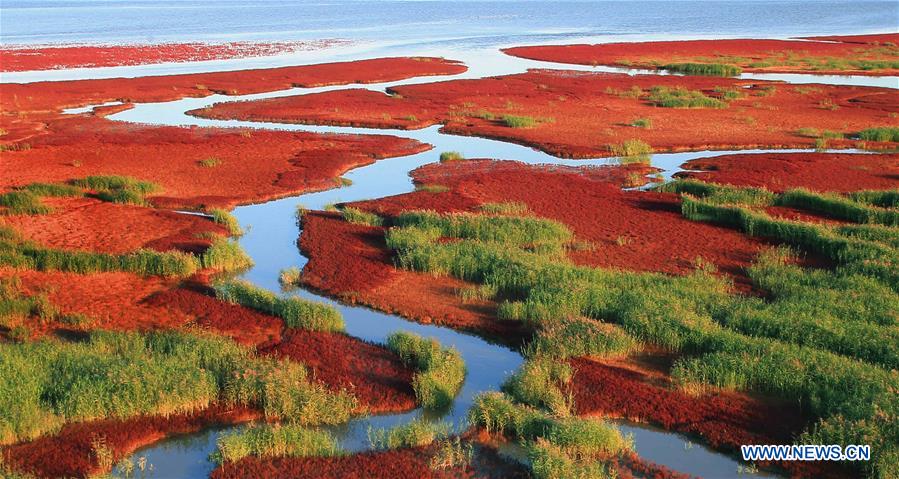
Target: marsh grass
632,150
512,208
518,121
275,440
440,371
225,255
431,188
448,156
704,69
359,217
290,277
884,133
809,342
452,453
118,189
296,312
680,97
415,433
45,384
882,198
226,219
645,123
211,162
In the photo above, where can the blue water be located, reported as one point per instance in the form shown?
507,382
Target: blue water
474,23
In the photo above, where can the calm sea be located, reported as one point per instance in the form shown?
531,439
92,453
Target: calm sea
428,23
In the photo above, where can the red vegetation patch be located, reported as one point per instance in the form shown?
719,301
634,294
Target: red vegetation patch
399,463
724,419
868,39
252,166
70,452
112,301
74,225
373,374
750,54
634,230
56,95
579,114
16,59
782,171
331,243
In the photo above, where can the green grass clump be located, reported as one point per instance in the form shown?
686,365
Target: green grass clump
225,255
226,219
578,337
680,97
719,194
55,190
431,188
516,121
644,123
884,133
118,189
882,198
209,162
704,69
448,156
513,208
440,371
502,229
23,202
296,312
46,384
839,207
291,277
633,149
541,383
730,93
281,440
419,432
359,217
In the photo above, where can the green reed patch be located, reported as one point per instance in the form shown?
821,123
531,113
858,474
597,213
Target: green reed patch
118,189
226,219
440,371
415,433
46,384
296,312
704,69
359,217
882,198
448,156
512,208
633,149
833,359
275,440
883,133
680,97
225,255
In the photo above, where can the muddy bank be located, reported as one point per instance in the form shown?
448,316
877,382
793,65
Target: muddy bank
829,55
582,114
29,58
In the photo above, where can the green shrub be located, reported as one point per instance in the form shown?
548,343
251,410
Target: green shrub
680,97
440,371
705,69
539,383
448,156
419,432
281,440
296,312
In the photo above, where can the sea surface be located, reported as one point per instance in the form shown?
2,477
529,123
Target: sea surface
472,23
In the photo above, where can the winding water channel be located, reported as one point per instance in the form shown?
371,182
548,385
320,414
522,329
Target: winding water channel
271,241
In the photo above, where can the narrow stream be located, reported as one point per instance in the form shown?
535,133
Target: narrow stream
271,240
